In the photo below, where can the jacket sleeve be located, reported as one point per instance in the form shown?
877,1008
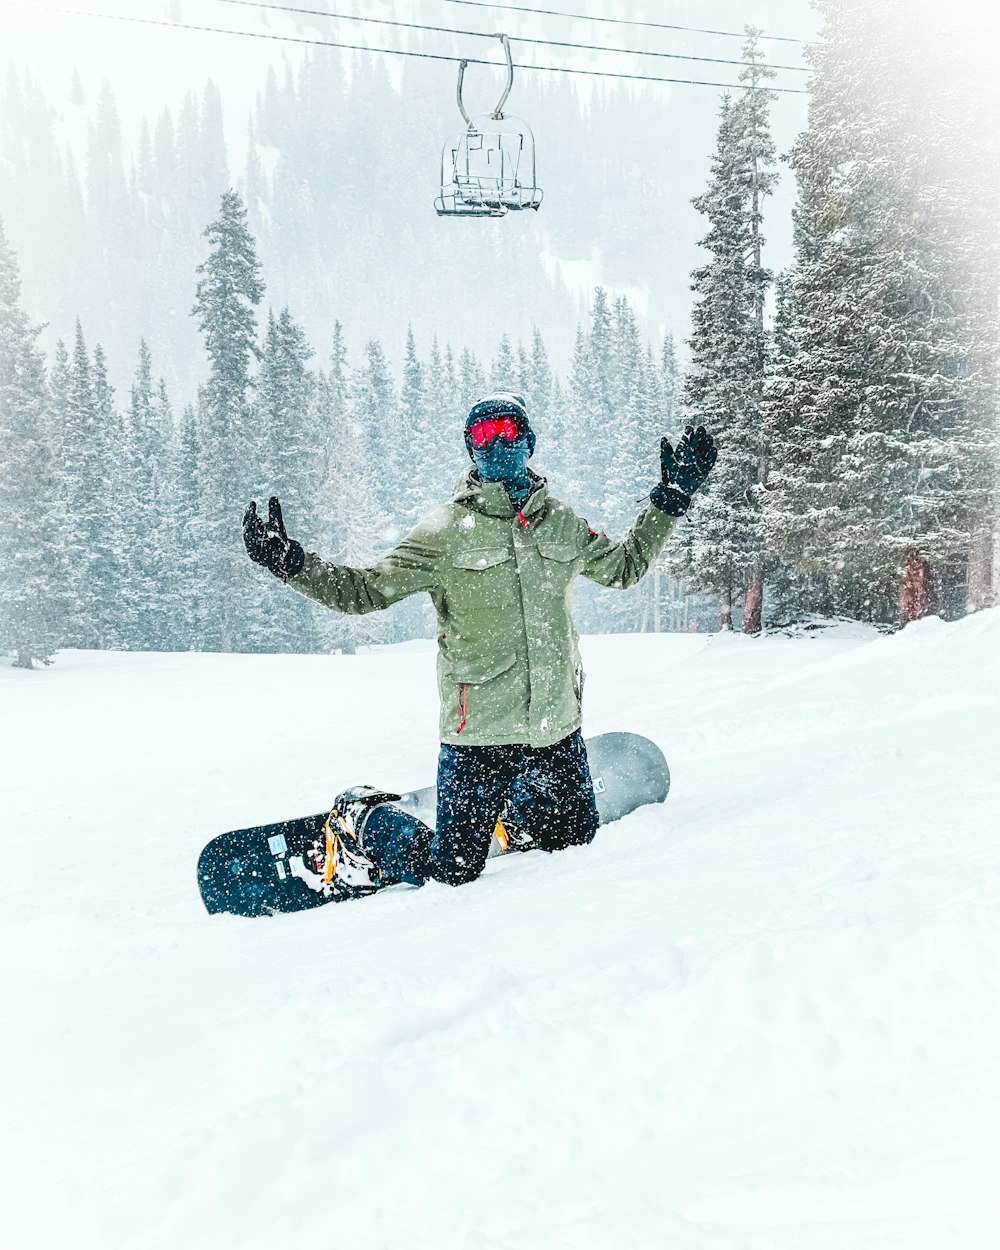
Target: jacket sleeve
406,570
620,565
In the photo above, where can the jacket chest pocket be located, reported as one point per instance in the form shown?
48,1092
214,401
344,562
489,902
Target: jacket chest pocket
479,559
557,561
481,585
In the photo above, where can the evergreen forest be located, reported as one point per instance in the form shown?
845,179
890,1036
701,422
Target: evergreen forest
853,395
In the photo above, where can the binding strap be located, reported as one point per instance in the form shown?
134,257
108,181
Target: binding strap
337,851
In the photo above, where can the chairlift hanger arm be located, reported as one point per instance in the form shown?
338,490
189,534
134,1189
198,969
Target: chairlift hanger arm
497,113
461,107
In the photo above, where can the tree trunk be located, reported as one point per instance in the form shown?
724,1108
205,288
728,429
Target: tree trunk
913,589
753,602
981,590
23,660
726,609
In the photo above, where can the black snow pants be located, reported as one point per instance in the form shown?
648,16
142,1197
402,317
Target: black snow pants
541,793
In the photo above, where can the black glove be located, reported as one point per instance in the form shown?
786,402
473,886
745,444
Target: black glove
684,471
268,544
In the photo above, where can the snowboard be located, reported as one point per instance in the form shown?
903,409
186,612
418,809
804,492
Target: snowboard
261,871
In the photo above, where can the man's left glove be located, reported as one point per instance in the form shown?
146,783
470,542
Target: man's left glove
684,470
268,544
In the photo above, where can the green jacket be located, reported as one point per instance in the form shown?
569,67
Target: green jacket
508,662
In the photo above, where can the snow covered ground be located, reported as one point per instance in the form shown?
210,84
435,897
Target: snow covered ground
763,1016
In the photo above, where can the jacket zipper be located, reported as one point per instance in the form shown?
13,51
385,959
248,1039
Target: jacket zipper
463,689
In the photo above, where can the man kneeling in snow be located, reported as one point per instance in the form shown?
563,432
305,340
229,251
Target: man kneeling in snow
497,563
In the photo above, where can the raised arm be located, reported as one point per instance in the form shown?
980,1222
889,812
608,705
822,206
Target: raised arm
621,564
682,471
408,569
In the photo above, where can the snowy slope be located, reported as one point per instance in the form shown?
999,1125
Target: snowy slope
764,1016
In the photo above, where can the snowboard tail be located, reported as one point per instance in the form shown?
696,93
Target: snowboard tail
261,871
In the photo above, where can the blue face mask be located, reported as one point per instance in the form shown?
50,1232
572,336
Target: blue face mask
504,462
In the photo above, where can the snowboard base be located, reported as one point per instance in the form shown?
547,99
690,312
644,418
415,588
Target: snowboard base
261,871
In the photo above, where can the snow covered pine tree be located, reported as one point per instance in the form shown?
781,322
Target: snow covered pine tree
725,383
32,577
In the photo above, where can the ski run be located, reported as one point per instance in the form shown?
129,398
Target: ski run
764,1016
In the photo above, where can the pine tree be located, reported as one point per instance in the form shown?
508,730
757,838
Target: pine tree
426,476
628,399
228,292
601,386
634,459
213,162
165,533
593,407
670,376
579,441
286,421
447,455
523,370
147,492
191,600
414,428
255,188
754,109
369,528
374,408
471,380
284,414
165,154
794,588
438,397
504,372
887,481
80,470
33,573
110,537
333,630
538,385
724,386
453,397
145,168
332,397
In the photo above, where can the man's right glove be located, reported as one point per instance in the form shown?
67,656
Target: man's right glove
683,471
268,544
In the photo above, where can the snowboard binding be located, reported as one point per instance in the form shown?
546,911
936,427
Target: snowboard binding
340,863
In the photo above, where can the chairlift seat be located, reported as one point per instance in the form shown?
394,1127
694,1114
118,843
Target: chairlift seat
489,169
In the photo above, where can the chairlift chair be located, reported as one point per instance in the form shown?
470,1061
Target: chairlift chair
489,169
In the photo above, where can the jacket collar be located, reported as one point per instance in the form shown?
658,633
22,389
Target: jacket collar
491,499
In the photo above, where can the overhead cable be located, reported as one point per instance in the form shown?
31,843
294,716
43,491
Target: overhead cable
482,34
620,21
403,52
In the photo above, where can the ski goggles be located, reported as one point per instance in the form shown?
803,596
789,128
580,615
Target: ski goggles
485,432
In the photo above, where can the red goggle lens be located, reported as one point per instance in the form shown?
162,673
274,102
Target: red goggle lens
484,432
